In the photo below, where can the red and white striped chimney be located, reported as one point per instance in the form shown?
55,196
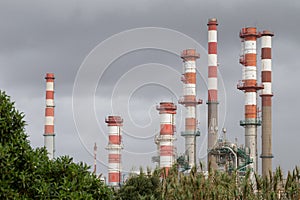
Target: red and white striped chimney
49,136
250,87
167,111
266,101
114,148
212,91
190,102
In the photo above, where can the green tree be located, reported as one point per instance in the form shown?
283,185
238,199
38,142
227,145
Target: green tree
29,174
142,186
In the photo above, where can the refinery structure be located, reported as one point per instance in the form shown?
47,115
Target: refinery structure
221,154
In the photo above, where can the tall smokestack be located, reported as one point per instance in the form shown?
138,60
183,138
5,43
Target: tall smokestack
212,91
266,101
167,111
114,148
49,136
190,102
249,86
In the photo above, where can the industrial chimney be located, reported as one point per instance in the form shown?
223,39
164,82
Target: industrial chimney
250,87
167,111
266,101
212,101
49,136
114,148
190,102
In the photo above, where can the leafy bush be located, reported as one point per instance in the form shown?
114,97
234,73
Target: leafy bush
29,174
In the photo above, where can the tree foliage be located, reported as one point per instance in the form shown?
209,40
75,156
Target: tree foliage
142,186
29,174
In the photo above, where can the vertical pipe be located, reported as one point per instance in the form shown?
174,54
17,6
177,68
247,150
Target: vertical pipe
266,101
114,148
190,102
212,92
49,136
249,86
95,158
167,111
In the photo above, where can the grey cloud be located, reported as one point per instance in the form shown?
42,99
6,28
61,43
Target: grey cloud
47,36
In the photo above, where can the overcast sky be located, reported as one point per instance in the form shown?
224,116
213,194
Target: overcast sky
37,37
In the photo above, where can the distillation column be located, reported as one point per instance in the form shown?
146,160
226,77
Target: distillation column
250,87
167,111
49,136
190,102
266,101
212,92
114,148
